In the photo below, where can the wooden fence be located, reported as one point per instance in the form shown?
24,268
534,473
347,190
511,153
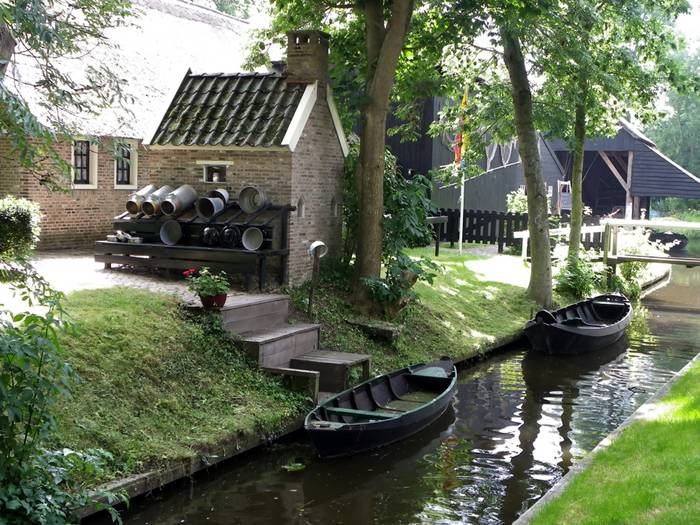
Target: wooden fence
493,227
485,227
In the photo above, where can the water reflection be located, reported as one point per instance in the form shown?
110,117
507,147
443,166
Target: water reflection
520,421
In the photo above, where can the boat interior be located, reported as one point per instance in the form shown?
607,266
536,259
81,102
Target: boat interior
386,397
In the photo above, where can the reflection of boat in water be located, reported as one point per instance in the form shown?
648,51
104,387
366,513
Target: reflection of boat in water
672,242
382,410
545,375
581,327
373,478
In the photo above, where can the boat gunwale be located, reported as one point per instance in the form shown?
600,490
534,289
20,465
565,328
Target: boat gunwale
435,399
596,331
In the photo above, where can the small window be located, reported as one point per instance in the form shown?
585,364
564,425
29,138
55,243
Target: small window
215,173
300,208
123,164
81,162
334,208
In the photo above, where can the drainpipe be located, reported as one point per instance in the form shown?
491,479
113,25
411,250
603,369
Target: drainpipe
7,47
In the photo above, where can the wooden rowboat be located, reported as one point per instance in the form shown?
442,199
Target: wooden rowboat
383,410
581,327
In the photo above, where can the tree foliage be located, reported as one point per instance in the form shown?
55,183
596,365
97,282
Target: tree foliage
42,36
239,8
676,134
406,208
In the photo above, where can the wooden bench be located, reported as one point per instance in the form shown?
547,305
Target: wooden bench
334,367
153,255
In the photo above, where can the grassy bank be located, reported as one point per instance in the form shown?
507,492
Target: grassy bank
458,315
649,475
157,387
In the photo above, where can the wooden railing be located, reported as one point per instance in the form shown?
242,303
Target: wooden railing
591,236
611,257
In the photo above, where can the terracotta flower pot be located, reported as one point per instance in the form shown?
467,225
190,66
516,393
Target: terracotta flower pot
213,301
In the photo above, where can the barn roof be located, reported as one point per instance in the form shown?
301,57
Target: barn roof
244,109
151,53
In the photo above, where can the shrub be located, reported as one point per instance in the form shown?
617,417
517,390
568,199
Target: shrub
395,290
406,209
516,201
19,227
577,278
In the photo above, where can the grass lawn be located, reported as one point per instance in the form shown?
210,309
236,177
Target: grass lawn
458,316
157,387
650,474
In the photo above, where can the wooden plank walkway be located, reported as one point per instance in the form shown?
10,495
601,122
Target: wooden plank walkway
688,262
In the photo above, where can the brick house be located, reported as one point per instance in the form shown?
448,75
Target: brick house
278,131
163,40
286,139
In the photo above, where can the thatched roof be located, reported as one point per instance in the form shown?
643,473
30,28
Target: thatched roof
164,40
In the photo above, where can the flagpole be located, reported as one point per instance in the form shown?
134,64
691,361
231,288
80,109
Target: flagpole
462,140
461,212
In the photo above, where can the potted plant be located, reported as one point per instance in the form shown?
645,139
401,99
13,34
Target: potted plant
210,287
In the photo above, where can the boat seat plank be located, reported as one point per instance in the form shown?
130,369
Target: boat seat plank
401,405
433,371
364,414
417,397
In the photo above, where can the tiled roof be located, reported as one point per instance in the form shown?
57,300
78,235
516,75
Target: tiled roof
246,109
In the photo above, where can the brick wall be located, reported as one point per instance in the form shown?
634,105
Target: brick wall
80,216
268,170
74,218
317,179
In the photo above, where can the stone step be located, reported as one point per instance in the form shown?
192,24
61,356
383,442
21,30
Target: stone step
253,312
277,345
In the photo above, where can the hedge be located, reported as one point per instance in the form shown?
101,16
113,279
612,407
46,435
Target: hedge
19,227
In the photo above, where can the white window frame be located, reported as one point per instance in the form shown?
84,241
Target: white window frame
206,163
133,165
94,158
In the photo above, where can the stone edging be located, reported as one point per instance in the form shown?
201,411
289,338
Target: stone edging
227,448
639,414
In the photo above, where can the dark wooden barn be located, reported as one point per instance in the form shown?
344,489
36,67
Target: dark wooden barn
622,174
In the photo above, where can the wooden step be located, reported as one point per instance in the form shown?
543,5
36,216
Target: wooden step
276,346
334,367
253,312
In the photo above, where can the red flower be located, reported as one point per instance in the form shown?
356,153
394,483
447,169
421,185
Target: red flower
189,272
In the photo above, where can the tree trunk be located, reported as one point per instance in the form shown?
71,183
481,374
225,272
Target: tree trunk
577,174
540,287
384,47
7,47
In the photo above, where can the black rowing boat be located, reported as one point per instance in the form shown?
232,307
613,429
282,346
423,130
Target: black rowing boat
383,410
581,327
670,241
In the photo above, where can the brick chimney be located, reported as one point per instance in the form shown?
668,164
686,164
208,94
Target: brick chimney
307,57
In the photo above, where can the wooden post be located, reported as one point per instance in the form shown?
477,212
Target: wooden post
628,196
524,253
500,229
314,278
284,242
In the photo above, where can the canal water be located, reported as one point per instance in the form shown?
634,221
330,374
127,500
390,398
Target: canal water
520,420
